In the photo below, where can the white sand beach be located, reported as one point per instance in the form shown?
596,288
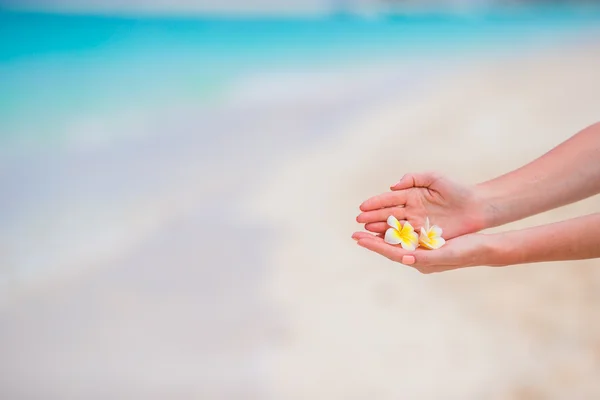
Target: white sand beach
359,326
253,289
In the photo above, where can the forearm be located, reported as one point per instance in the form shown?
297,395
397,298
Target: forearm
574,239
568,173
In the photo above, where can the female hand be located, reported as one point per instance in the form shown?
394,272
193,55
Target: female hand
456,208
464,251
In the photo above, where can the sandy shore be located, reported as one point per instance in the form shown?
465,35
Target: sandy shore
362,327
295,310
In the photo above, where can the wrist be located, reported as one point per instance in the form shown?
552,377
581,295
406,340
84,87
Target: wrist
498,250
487,206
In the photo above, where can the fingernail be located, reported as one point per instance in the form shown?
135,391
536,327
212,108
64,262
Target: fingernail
400,181
408,260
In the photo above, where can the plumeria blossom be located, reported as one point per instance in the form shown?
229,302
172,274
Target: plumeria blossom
431,236
403,234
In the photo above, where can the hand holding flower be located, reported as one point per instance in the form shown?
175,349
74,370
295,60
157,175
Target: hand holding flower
464,251
459,209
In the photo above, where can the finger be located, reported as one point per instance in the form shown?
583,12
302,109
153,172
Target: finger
381,215
384,200
408,181
365,235
377,227
408,259
386,250
420,259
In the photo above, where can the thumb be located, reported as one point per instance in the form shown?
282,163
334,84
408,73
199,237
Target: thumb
408,181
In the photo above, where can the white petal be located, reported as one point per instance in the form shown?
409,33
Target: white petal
427,224
437,230
393,222
436,243
414,238
440,242
407,228
425,241
408,246
392,236
426,244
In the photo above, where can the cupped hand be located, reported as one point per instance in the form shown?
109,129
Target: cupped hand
454,207
461,252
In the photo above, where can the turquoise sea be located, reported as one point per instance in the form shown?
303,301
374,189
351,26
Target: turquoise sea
54,67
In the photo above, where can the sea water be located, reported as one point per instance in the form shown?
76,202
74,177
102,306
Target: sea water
54,67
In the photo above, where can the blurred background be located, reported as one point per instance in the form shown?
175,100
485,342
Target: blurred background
179,181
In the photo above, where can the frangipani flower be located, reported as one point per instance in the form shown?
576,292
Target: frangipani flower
404,235
431,237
